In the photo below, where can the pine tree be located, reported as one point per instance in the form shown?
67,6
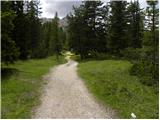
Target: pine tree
47,38
21,26
34,27
152,28
62,36
9,49
106,19
56,34
95,19
86,29
152,20
135,25
117,32
77,32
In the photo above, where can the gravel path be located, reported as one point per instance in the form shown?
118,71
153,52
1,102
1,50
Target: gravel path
65,96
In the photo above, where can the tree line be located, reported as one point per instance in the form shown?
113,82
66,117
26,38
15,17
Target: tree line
118,29
111,27
23,34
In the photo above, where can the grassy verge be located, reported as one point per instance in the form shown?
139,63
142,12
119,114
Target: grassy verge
21,84
111,83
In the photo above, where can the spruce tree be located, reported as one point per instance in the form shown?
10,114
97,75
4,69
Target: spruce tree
56,34
152,14
86,28
21,26
152,28
34,27
9,50
117,32
135,25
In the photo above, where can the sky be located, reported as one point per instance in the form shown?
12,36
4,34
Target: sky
64,7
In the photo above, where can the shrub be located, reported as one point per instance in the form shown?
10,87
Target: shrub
147,71
131,53
145,53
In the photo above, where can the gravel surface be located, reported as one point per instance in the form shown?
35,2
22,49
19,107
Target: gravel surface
66,96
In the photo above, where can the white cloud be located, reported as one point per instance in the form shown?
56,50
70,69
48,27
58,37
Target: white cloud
49,7
63,7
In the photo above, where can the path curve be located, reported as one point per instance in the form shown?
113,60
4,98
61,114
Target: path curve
65,96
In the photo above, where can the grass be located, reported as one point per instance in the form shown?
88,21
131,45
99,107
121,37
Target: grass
111,83
20,86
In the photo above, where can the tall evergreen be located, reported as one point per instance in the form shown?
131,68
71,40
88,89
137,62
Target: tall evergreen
135,25
117,32
95,19
152,14
106,20
62,37
19,33
47,38
9,50
56,34
87,28
35,27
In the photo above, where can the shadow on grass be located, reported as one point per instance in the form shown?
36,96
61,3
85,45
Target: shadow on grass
6,72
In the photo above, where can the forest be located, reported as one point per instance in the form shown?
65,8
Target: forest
23,34
96,30
118,30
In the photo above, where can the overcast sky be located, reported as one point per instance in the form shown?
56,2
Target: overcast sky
63,7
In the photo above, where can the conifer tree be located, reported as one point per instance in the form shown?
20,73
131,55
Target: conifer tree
135,25
34,27
117,32
152,13
9,50
56,34
21,26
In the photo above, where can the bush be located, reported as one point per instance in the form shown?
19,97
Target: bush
147,71
145,53
131,53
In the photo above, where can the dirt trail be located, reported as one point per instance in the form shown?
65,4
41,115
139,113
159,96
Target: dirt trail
65,96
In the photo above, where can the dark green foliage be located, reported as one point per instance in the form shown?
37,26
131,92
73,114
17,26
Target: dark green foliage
135,54
62,37
58,44
152,14
21,28
53,38
117,30
86,29
135,25
131,53
147,71
147,66
9,50
46,37
34,28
